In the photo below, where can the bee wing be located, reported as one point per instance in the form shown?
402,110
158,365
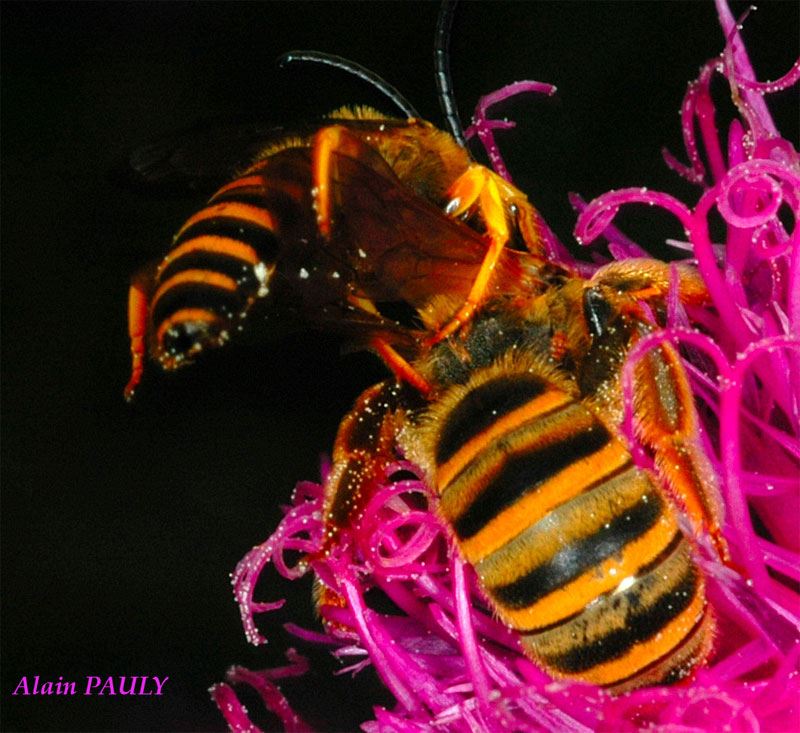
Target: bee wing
403,248
197,158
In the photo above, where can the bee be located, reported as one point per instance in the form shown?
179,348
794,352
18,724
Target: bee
505,380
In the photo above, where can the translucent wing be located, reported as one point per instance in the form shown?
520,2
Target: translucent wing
198,158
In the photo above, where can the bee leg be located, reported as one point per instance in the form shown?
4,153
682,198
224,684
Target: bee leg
478,185
329,140
394,361
668,427
137,330
365,444
530,225
667,420
326,141
644,279
400,367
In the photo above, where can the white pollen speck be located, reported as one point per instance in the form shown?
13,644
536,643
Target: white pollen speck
335,275
262,274
452,206
625,583
303,273
361,253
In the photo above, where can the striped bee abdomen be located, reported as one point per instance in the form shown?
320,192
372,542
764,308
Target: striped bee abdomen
576,547
222,260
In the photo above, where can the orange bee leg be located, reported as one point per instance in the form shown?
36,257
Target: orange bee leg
137,330
400,367
364,445
530,226
325,596
478,185
394,361
329,140
668,423
668,427
325,141
645,279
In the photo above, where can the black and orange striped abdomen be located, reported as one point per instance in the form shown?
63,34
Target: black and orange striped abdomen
221,261
577,548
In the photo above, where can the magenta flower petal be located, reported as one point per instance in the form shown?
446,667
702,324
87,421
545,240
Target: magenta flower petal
484,128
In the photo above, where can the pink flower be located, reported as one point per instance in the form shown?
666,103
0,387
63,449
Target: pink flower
452,664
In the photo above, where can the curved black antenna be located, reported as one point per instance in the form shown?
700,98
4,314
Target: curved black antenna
339,62
441,62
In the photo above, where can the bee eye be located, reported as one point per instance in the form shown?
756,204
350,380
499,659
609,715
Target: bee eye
596,311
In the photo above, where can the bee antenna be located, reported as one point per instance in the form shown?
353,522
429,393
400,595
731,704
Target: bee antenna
441,62
356,69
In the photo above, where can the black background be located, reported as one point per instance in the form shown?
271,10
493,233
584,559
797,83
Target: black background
121,523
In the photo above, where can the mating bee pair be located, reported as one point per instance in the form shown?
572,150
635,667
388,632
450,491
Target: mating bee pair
505,381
